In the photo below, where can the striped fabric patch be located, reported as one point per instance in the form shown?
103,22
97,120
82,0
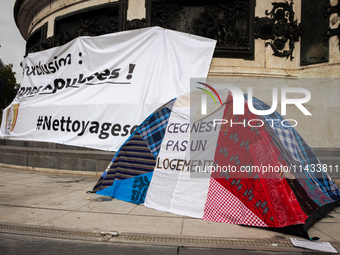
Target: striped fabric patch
133,159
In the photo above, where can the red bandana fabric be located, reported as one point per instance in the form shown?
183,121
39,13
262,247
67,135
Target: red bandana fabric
265,197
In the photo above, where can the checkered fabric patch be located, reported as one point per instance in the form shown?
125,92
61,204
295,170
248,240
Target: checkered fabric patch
287,138
323,180
223,206
153,129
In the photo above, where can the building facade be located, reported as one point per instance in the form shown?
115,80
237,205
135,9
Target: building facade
282,40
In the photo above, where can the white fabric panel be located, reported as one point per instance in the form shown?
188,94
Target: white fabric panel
179,190
161,190
92,91
192,187
165,176
190,196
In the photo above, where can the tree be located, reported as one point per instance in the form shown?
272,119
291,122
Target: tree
9,88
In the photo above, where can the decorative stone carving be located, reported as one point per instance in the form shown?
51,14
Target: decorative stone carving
135,24
281,28
87,28
165,14
92,21
47,43
332,32
332,9
336,31
230,23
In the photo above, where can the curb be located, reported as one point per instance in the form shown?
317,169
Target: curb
153,240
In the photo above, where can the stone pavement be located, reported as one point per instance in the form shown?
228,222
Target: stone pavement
59,201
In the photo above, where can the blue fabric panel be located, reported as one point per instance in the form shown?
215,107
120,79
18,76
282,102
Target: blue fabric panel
130,190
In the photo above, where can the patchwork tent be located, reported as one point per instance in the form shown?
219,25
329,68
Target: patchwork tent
240,169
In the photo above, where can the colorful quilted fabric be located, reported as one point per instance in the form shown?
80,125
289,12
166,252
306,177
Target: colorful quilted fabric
194,168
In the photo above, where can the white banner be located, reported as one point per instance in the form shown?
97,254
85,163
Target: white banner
94,91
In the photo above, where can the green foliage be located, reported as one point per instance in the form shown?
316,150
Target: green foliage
10,87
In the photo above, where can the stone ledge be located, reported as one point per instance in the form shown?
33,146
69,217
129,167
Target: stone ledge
327,152
32,155
54,162
47,145
51,170
31,151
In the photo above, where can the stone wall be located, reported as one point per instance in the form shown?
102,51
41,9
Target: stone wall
320,130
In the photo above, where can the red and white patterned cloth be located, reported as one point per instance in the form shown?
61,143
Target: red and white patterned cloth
223,206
